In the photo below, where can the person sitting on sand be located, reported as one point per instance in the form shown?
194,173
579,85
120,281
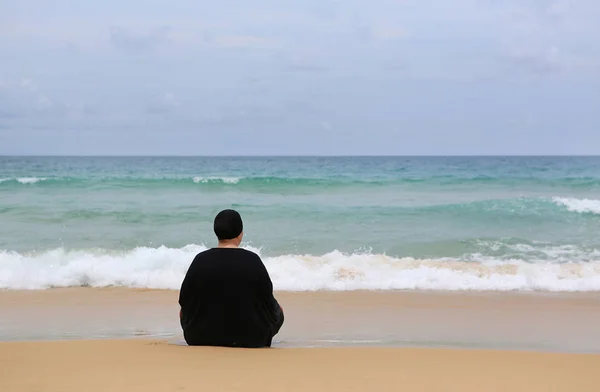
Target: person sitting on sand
226,297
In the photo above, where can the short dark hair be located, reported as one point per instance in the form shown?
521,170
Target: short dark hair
228,225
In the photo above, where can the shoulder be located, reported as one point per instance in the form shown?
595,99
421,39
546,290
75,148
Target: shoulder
219,253
204,254
250,259
202,258
247,256
249,253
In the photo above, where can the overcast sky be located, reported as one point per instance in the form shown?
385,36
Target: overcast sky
299,77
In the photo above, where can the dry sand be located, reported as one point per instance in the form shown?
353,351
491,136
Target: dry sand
155,366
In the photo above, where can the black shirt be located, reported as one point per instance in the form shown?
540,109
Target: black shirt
226,299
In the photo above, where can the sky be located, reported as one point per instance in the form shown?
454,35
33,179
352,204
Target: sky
299,77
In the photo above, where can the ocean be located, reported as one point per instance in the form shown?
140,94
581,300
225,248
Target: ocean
319,223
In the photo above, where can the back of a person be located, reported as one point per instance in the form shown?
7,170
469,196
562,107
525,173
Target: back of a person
226,299
224,302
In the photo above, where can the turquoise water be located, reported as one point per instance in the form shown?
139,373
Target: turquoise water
320,223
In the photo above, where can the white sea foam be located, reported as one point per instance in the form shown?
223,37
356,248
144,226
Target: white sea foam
24,180
583,206
226,180
30,180
164,268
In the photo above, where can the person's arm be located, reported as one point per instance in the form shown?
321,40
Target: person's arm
266,288
184,291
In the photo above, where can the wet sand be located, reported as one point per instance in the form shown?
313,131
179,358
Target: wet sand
156,366
521,321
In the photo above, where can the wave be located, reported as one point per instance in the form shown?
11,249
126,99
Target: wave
205,181
582,206
164,268
549,208
279,181
23,180
208,180
522,206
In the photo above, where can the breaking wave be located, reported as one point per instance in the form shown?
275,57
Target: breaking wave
558,268
22,180
582,206
319,180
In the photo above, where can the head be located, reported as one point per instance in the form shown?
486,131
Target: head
229,228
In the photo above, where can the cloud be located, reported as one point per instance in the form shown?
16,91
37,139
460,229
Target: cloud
326,125
398,67
72,48
27,84
547,60
33,95
244,41
389,33
550,38
309,68
25,105
165,105
123,39
302,61
332,65
6,114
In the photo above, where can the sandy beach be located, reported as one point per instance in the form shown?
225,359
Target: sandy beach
112,339
533,321
156,366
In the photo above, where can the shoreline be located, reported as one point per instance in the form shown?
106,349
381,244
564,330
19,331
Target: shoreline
549,322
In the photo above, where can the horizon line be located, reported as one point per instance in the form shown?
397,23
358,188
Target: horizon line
299,156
